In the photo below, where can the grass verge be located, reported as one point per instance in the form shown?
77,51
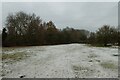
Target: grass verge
108,65
14,56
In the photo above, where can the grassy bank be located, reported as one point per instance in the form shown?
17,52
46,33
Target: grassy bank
14,56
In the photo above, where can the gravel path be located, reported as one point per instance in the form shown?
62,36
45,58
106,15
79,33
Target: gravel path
63,61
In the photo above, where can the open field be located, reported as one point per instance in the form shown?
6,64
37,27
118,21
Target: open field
60,61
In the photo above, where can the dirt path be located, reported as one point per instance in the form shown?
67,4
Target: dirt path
64,61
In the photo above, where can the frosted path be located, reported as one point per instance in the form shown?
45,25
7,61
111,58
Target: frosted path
63,61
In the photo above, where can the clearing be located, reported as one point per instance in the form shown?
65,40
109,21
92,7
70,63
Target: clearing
60,61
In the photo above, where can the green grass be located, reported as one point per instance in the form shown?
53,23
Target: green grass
79,68
0,57
14,56
108,65
96,45
7,49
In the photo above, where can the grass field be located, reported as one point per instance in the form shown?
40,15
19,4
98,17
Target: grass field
60,61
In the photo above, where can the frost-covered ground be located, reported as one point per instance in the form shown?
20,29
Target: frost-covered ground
62,61
0,62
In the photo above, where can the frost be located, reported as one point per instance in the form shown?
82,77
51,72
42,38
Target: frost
63,61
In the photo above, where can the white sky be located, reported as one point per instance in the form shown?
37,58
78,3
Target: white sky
85,14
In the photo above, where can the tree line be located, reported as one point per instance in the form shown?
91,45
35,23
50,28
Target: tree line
23,29
105,36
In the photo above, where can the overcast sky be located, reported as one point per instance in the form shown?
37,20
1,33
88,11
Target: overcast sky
79,15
